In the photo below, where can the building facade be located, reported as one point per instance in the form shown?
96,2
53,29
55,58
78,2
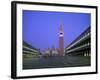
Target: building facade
29,51
81,45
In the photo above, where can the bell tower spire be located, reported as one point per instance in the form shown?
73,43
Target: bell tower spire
61,40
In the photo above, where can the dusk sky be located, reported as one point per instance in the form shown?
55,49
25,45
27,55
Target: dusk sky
41,28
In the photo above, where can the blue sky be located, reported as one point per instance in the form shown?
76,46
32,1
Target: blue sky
41,28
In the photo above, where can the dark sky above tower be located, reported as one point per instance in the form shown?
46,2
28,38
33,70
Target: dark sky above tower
41,28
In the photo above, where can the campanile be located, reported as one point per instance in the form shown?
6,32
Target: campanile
61,41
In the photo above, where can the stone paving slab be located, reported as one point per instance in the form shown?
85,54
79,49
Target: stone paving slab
55,62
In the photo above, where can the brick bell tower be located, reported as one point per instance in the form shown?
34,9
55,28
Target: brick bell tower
61,41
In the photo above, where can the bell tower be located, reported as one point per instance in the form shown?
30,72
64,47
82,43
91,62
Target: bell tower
61,41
